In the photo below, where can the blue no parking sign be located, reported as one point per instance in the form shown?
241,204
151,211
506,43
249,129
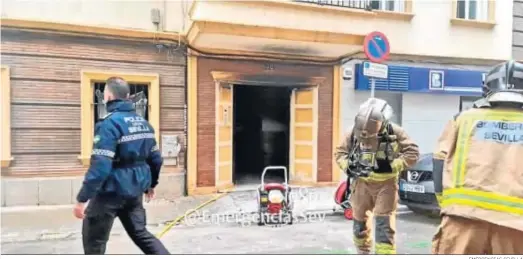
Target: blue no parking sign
376,47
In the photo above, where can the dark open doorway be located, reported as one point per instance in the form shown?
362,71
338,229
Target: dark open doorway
261,132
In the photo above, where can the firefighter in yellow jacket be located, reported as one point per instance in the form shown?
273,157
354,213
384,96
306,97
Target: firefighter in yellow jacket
374,152
440,154
478,168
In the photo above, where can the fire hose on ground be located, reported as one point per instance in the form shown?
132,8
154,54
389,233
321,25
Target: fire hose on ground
189,212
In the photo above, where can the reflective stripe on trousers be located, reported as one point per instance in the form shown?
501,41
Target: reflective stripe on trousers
385,249
364,246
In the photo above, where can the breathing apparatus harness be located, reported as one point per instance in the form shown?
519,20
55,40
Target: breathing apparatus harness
363,161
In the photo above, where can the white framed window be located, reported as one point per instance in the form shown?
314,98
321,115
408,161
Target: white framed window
388,5
472,9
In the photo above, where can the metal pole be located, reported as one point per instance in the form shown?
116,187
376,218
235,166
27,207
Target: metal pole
372,86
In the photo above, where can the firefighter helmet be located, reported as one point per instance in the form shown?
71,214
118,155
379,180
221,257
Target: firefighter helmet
504,83
372,118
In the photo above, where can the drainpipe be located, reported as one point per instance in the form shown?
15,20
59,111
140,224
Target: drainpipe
183,50
185,126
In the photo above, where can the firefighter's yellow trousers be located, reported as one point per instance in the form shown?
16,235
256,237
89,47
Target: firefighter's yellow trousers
459,235
381,198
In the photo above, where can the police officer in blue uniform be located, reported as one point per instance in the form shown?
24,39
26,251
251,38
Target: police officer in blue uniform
125,164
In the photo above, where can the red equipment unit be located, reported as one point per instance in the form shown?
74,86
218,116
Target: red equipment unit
274,186
274,208
268,207
341,192
341,197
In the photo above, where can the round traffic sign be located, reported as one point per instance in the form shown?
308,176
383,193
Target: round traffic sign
376,47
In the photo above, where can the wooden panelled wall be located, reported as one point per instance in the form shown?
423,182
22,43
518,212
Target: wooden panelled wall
45,94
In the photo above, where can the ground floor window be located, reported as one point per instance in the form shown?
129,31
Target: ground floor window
139,95
145,93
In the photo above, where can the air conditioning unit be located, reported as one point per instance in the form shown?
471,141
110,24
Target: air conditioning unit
347,73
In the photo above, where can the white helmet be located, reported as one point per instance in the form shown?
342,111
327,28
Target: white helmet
372,118
504,83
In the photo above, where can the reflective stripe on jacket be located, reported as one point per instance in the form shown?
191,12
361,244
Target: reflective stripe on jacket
483,173
404,148
125,160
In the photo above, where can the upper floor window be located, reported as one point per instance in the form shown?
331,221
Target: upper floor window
139,95
472,10
388,5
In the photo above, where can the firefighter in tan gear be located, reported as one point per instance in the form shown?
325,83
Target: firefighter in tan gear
479,170
374,152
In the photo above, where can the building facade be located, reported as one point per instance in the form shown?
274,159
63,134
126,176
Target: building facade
54,65
517,30
263,81
442,73
291,68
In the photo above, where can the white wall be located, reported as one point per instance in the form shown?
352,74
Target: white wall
428,33
425,115
135,14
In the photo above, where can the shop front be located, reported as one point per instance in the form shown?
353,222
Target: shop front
424,96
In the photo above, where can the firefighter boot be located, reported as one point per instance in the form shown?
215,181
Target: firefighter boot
362,236
385,232
385,215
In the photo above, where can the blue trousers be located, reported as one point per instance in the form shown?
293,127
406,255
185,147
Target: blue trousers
99,218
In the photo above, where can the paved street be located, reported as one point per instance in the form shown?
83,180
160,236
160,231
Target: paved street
210,231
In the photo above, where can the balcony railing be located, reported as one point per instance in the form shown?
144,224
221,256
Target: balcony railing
356,4
386,5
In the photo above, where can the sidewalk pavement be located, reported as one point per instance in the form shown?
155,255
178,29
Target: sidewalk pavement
56,231
38,223
305,199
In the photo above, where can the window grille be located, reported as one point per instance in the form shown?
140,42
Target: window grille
139,95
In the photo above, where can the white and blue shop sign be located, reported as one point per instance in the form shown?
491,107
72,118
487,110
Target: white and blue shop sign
424,80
